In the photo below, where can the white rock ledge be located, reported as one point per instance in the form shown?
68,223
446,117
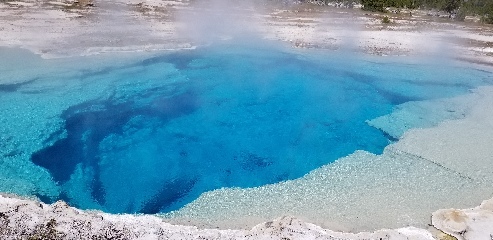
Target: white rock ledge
475,223
29,219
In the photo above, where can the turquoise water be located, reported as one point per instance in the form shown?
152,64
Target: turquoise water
152,135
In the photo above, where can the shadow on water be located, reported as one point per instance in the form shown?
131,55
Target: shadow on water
170,193
15,86
180,60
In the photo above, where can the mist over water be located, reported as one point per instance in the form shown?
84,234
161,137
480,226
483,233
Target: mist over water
218,20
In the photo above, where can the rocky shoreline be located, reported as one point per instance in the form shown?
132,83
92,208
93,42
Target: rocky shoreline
30,219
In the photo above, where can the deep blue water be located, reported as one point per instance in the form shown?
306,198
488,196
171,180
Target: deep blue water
244,117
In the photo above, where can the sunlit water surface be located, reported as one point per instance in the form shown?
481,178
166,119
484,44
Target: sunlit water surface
152,135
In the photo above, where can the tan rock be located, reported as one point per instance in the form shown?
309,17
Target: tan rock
466,224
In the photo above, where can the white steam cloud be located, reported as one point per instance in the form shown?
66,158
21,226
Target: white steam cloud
214,20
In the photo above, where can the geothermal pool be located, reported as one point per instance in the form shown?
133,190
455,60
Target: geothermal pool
149,133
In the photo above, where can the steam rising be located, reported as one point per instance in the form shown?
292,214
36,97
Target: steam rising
208,21
215,20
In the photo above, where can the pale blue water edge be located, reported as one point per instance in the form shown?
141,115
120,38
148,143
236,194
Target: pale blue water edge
150,134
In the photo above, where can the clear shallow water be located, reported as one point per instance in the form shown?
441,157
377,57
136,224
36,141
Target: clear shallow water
152,136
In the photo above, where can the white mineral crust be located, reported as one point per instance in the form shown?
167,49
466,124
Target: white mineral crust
474,223
22,218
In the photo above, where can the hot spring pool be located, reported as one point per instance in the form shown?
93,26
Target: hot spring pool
149,134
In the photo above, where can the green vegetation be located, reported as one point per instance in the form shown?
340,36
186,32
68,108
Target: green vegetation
374,5
456,8
459,8
445,5
386,20
483,8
